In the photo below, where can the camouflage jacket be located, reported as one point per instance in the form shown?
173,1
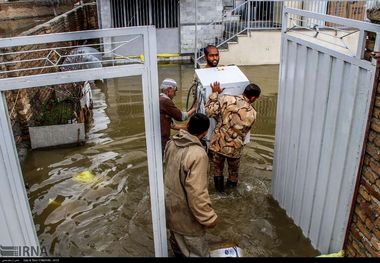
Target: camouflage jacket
234,116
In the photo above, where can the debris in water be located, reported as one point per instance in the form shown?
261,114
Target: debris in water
339,254
228,250
84,177
52,201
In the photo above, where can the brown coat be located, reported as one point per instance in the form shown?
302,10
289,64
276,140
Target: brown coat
235,117
168,111
187,201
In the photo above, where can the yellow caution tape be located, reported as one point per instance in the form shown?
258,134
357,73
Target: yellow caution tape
141,57
339,254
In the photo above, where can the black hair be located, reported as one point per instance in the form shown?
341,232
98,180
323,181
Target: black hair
198,124
252,90
205,50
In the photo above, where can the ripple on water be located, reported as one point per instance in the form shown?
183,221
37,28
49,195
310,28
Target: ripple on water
111,215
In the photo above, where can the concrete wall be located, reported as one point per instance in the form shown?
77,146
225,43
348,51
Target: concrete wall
260,48
263,47
167,42
167,38
54,135
208,11
363,233
181,40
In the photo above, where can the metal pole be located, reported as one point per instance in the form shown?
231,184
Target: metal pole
249,15
196,35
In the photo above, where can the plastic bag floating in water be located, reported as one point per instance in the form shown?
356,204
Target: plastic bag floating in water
85,177
82,58
339,254
228,250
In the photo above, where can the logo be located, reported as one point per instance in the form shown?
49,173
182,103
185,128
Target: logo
23,251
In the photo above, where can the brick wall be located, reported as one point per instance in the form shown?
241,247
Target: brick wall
23,104
363,232
25,9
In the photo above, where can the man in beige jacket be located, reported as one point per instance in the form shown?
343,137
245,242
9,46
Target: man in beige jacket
188,206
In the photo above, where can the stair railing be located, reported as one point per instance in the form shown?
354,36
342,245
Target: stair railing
233,24
259,15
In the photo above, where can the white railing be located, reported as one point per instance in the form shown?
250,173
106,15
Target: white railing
17,228
267,15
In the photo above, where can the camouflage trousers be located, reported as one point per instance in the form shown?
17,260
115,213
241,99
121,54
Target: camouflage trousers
217,166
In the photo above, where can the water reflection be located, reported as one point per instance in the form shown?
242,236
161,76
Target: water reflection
94,200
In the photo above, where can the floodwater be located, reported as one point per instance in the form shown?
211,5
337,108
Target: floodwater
94,200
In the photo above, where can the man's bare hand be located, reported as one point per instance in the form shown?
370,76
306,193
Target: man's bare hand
195,104
216,87
213,224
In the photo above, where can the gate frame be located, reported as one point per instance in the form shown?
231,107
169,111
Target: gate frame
278,181
17,225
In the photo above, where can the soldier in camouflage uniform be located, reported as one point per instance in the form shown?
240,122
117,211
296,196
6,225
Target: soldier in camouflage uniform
235,117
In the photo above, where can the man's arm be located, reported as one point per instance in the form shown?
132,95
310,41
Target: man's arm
169,108
196,184
212,106
176,126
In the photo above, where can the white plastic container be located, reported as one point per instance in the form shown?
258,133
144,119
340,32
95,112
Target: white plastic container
231,79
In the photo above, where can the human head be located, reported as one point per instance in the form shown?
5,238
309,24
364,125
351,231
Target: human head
198,125
169,87
252,92
212,56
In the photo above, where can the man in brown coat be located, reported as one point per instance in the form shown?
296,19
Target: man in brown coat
169,111
187,201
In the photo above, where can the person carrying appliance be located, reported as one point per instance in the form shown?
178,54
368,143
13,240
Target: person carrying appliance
234,117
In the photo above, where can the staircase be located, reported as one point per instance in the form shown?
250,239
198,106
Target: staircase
250,15
233,25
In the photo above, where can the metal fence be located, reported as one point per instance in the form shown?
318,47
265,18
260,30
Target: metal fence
17,228
161,13
267,15
323,106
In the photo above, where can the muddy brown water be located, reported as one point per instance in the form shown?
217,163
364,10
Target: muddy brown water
109,214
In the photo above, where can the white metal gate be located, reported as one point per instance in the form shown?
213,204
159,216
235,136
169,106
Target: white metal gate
323,103
16,223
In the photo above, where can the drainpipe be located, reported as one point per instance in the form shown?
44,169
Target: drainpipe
196,35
